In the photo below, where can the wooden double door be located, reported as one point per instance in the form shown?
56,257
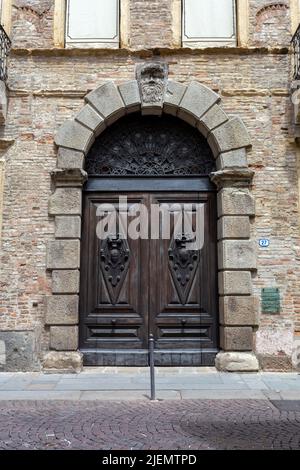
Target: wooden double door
149,284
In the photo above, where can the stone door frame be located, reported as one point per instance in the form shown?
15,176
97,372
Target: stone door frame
228,139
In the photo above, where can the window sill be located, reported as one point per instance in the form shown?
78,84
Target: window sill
92,45
211,44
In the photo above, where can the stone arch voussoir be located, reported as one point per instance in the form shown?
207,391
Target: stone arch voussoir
229,140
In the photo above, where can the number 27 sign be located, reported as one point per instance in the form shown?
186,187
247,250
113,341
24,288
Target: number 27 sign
264,242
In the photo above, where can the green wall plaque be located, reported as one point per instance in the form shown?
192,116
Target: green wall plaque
270,300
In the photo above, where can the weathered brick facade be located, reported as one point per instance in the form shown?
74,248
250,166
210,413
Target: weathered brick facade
47,87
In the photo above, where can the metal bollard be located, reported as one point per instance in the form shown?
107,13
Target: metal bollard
152,370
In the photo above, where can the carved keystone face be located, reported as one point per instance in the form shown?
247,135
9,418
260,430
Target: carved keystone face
152,79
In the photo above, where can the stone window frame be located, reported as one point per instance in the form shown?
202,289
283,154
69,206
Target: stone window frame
229,140
59,26
242,18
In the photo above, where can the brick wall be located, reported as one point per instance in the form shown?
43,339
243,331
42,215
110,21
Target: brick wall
151,23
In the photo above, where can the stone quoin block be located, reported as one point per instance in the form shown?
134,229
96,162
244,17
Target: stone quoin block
173,96
63,254
74,135
62,310
65,282
229,136
69,159
197,100
131,96
235,283
107,100
235,201
237,362
67,226
91,119
237,338
233,227
236,255
65,201
64,338
238,311
232,159
212,119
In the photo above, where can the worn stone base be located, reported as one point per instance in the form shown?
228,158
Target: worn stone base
21,350
237,362
62,362
272,363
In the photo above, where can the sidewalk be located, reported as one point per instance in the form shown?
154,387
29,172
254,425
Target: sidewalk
125,384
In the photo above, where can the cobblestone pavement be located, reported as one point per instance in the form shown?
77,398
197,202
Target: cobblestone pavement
174,425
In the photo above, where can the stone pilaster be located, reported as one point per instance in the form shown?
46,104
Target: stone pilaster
236,262
63,260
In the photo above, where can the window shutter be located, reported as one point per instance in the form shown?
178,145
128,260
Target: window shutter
92,21
209,20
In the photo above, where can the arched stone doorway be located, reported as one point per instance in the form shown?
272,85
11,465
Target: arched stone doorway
150,272
228,139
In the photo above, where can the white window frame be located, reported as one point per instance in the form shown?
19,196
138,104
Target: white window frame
211,41
88,42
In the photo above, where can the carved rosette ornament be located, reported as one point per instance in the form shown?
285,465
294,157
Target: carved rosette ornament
152,79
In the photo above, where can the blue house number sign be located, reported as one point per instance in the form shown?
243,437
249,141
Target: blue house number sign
264,242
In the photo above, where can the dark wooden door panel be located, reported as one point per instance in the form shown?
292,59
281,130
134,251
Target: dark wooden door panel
183,308
113,307
131,288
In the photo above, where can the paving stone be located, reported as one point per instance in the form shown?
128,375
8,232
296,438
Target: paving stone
118,396
194,423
